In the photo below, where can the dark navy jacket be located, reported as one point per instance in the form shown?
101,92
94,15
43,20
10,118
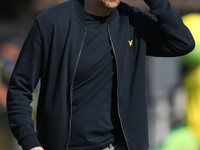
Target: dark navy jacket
51,53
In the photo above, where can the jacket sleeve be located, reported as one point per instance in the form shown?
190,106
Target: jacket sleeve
22,83
167,35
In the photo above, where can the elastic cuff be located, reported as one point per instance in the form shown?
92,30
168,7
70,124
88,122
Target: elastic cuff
29,142
153,3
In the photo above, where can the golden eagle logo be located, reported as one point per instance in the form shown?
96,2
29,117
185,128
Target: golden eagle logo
130,42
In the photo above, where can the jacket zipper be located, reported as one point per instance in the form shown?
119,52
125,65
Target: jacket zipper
71,88
117,86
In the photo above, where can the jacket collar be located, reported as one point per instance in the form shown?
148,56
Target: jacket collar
79,11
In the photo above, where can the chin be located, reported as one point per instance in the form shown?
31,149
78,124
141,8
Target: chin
111,4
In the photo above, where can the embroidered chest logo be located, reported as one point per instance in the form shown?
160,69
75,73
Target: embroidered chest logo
130,43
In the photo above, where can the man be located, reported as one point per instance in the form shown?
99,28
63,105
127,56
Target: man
90,57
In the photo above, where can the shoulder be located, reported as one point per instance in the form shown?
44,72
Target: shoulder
133,13
126,9
56,12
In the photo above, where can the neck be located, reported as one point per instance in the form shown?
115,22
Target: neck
96,8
